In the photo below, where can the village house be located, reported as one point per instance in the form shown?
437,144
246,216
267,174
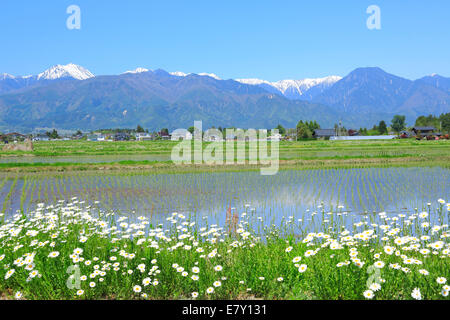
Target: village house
230,137
96,137
41,137
181,134
324,133
423,131
144,136
275,137
212,137
121,136
91,137
12,137
352,132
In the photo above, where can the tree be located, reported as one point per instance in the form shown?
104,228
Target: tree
445,122
428,121
441,123
53,134
78,133
312,125
191,130
281,130
398,123
363,131
139,129
165,131
303,131
382,128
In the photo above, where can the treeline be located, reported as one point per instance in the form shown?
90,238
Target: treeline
440,123
376,130
122,130
305,130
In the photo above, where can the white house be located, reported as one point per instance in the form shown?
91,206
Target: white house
213,135
96,137
275,137
181,134
143,136
41,137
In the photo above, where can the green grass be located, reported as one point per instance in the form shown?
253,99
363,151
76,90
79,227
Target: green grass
287,149
67,155
254,264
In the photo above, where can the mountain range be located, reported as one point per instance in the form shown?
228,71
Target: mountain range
304,89
71,97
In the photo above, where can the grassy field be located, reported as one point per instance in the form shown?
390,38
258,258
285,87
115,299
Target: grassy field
292,154
312,148
67,251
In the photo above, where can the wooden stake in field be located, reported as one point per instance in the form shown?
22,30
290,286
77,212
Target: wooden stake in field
231,220
228,218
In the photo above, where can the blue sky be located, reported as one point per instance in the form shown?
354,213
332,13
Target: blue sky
270,40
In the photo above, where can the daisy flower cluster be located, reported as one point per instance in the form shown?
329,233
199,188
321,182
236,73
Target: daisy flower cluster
70,250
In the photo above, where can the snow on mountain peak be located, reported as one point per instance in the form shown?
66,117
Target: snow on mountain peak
4,76
253,81
137,70
65,71
212,75
178,74
182,74
304,84
294,88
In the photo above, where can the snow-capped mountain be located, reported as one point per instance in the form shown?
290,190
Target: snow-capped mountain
183,74
56,72
137,70
304,89
254,81
179,74
65,71
4,76
10,83
212,75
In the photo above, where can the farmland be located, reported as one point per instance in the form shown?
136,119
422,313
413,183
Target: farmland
86,155
340,220
208,193
288,149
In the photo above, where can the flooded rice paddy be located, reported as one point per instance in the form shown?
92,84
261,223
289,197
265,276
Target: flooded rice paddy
87,158
289,193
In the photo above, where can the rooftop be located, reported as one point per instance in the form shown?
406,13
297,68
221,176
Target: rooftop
423,128
324,132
